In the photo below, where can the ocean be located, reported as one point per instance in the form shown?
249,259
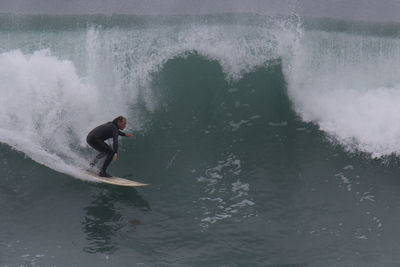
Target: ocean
266,140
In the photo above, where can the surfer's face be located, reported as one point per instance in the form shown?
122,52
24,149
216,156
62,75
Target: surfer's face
122,124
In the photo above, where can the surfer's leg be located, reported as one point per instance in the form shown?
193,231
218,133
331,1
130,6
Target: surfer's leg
106,163
96,159
105,150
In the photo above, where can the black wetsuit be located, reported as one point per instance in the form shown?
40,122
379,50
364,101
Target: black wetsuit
96,139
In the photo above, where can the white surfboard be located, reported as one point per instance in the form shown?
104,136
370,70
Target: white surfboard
114,180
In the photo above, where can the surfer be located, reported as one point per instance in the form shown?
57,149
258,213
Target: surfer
98,135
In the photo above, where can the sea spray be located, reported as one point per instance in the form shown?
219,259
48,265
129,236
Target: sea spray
44,107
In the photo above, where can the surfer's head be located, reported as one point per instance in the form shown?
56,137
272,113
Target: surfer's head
120,121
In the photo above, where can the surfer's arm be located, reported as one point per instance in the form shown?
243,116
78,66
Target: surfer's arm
115,141
115,144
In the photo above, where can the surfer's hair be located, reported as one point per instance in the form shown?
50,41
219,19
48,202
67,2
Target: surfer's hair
119,119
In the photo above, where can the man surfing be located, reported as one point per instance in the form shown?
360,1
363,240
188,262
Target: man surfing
98,135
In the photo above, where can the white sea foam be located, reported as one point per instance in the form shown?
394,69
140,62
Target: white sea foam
224,199
350,86
43,108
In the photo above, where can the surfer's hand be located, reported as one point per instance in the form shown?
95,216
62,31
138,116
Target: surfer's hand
115,157
128,135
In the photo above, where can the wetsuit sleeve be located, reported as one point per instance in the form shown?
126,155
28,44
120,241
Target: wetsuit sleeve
115,140
121,133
